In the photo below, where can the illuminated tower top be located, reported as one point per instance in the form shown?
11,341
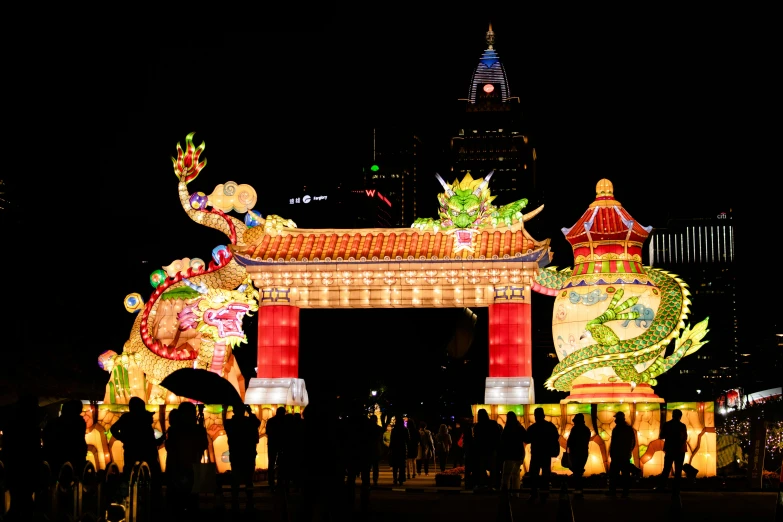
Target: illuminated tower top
489,74
606,238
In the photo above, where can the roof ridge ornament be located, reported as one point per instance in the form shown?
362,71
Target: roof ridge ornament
490,37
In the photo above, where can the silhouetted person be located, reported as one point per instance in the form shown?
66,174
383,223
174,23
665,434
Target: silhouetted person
322,476
377,447
398,451
620,451
675,436
134,430
544,445
469,455
63,439
486,439
22,458
275,442
512,452
578,448
295,456
426,449
242,433
414,444
442,446
185,445
457,450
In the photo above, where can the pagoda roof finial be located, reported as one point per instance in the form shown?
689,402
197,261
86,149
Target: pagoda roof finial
490,37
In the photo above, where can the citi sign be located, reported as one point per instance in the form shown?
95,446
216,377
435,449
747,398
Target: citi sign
371,193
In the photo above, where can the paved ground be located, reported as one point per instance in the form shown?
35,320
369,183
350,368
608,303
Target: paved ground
389,505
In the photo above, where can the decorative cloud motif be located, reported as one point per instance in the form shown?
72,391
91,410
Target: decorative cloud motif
230,196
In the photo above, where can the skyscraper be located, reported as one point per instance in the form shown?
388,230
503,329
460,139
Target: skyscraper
393,171
491,133
701,252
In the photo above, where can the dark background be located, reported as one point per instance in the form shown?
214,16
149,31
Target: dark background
681,115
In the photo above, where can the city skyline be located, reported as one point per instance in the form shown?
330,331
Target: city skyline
606,119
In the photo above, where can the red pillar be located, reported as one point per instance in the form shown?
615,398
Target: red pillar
278,341
510,340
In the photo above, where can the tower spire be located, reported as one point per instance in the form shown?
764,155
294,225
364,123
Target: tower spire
490,37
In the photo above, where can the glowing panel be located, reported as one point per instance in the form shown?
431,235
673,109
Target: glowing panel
488,88
509,340
278,341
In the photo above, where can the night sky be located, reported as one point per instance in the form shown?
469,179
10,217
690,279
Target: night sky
675,117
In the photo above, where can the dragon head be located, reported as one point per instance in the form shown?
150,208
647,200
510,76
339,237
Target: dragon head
465,204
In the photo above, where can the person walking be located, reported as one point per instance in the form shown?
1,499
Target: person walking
457,449
376,432
413,449
134,430
398,450
512,453
675,437
186,442
442,446
275,441
620,451
63,440
426,449
577,448
21,455
386,442
544,442
486,439
242,433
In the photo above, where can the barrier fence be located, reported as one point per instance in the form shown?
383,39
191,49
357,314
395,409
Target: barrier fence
91,496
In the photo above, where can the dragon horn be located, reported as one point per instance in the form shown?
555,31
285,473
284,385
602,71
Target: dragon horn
445,185
483,184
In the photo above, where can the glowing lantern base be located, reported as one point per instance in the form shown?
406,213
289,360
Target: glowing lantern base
646,419
611,392
509,390
289,391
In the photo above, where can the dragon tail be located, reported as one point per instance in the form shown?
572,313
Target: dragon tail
689,342
696,335
186,164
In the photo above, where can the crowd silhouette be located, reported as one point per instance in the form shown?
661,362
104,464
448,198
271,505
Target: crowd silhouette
322,454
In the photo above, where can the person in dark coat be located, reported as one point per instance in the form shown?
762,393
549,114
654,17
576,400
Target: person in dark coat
22,458
63,439
486,439
620,451
578,448
186,443
377,447
398,451
544,446
134,430
413,449
242,432
469,455
457,450
512,452
675,436
275,441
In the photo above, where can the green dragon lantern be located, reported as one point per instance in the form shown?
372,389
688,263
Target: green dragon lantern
466,208
615,319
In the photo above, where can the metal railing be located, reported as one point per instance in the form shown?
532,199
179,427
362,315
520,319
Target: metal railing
140,497
92,496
